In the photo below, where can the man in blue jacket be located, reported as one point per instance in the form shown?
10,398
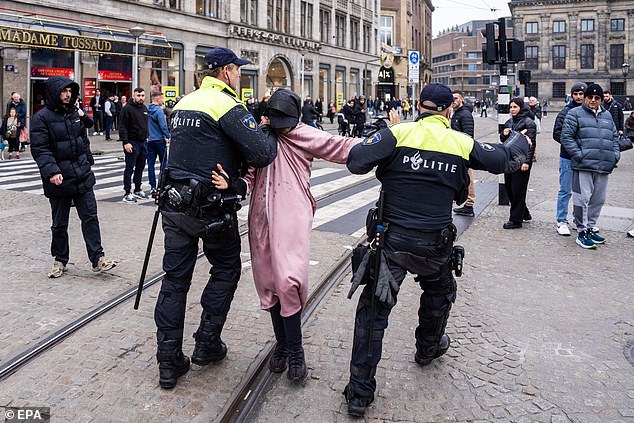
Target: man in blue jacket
157,139
590,137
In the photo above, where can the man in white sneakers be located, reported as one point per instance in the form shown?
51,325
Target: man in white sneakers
565,171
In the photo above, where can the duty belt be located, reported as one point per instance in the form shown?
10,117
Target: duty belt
444,235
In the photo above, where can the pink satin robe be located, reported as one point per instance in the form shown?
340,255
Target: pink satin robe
281,214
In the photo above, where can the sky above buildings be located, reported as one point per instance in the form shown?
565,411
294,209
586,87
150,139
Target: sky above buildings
449,13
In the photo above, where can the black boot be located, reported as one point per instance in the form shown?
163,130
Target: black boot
209,347
172,362
279,359
297,370
356,405
425,357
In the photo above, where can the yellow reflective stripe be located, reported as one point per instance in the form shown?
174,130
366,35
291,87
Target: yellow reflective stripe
210,99
433,134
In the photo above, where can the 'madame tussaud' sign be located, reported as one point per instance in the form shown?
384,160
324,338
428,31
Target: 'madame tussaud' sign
41,39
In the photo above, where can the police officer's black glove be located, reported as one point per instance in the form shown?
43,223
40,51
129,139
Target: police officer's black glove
361,274
386,286
517,145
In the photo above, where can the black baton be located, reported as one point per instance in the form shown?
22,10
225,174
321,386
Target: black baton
378,247
147,258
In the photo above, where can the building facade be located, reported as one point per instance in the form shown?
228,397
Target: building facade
404,26
457,61
575,40
92,43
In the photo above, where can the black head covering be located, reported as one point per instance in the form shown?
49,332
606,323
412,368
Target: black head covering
54,86
284,109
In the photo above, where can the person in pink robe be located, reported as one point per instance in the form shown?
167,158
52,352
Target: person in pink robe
280,222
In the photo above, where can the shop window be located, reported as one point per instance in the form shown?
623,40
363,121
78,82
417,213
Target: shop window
340,89
248,84
354,82
324,84
166,74
52,58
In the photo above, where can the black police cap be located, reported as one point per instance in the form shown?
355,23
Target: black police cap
221,56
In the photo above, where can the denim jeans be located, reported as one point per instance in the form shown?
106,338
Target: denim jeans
155,149
565,189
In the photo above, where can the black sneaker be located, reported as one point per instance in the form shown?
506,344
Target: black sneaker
443,347
297,370
279,359
464,211
356,405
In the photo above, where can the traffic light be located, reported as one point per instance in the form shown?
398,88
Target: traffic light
524,76
490,48
515,51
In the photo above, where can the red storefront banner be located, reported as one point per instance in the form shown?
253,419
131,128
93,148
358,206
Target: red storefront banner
106,75
90,85
44,72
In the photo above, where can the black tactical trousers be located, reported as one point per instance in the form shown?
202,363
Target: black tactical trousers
86,207
222,250
428,256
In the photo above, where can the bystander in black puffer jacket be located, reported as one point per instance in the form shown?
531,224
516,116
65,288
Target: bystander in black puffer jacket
59,143
462,120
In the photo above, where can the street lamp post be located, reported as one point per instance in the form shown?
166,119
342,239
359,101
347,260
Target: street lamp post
136,32
301,75
626,70
462,65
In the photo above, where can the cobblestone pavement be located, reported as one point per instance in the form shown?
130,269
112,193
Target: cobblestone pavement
539,331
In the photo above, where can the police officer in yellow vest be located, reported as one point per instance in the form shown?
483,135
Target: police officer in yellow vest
422,166
209,126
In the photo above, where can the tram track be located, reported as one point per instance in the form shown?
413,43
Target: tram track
10,366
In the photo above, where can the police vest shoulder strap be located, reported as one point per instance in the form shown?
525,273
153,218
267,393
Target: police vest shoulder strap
433,134
209,100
